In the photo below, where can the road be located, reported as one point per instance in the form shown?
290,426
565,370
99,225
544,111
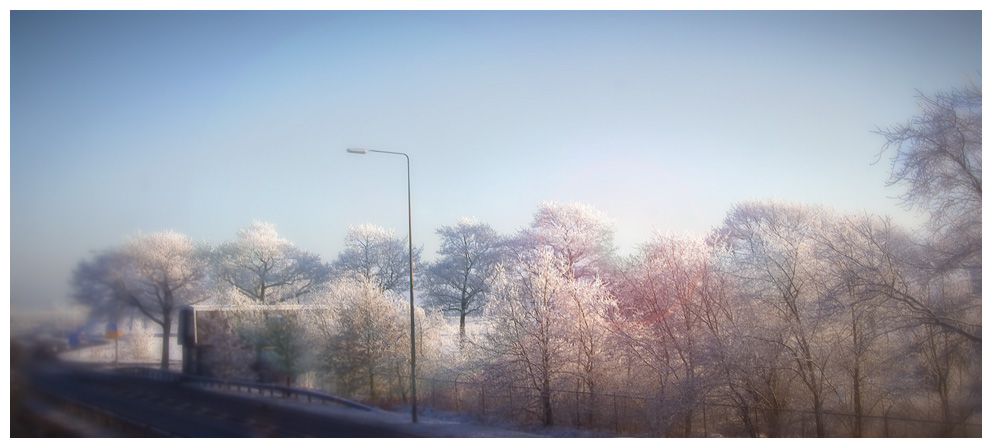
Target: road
178,410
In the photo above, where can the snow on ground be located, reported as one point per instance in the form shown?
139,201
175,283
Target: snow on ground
430,423
140,345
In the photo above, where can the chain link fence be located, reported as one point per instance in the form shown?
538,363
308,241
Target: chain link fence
654,417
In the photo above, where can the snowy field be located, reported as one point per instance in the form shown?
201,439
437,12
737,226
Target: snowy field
138,347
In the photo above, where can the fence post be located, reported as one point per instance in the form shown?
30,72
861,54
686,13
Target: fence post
706,432
616,416
885,422
578,384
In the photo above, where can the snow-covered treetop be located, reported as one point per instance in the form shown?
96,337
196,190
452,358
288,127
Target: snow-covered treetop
582,235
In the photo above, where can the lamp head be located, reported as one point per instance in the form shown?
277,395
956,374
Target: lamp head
358,150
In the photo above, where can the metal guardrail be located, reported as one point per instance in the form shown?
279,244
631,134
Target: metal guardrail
272,390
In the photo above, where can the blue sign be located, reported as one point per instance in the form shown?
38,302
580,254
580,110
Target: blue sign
74,339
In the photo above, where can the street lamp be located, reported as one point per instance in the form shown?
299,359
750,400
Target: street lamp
413,345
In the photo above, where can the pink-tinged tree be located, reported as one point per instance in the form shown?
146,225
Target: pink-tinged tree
661,318
581,235
733,363
373,254
587,304
154,274
459,281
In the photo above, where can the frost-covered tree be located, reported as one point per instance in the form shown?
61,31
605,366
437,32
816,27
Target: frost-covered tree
459,281
860,250
581,235
363,340
265,268
891,290
154,273
938,157
136,346
587,303
754,370
661,318
362,335
527,340
263,276
772,249
373,254
545,326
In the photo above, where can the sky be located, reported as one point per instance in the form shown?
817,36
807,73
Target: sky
202,121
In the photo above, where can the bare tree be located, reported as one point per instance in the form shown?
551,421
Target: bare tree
459,281
859,253
773,250
374,254
661,318
938,155
266,268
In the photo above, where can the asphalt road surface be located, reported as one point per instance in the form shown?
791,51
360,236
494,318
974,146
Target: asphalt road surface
178,410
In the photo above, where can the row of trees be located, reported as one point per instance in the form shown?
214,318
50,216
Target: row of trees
784,306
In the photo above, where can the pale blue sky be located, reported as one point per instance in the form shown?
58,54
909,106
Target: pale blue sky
203,121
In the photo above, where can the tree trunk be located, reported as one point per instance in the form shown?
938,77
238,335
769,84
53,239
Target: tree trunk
744,412
821,431
858,407
166,333
546,405
461,330
943,387
371,384
858,419
688,423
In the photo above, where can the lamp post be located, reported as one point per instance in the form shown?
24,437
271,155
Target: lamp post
413,345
